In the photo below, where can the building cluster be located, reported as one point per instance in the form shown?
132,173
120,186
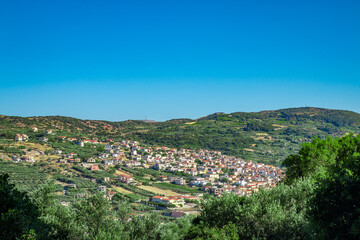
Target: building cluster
211,171
21,137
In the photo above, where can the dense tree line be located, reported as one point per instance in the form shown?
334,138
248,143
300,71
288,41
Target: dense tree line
41,217
319,199
276,214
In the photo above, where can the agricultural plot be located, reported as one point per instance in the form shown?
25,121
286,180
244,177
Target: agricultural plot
118,172
26,177
134,197
22,173
177,188
136,190
121,190
99,175
31,145
49,157
159,190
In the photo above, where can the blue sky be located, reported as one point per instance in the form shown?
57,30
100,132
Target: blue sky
119,60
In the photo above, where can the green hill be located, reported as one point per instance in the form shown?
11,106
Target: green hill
266,136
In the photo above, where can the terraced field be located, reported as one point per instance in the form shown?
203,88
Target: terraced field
121,190
118,172
159,191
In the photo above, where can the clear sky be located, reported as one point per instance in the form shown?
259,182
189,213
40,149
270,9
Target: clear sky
119,60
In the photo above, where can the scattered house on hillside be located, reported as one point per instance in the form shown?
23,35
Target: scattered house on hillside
21,137
206,188
49,132
110,195
132,164
102,188
28,159
80,195
91,160
168,200
162,178
25,137
192,171
134,144
172,179
85,165
200,183
136,158
93,180
62,137
125,178
108,162
15,158
211,176
108,147
106,179
128,164
71,155
217,191
44,139
103,155
159,166
35,129
57,152
63,160
71,185
117,161
180,181
136,164
148,158
94,168
144,165
81,143
66,204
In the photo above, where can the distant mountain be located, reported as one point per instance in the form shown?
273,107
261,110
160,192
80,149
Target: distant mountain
266,136
336,117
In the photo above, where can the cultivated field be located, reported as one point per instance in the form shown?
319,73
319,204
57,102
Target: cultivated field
32,145
118,172
159,191
121,190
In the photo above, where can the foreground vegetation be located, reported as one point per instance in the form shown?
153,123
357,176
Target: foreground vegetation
319,199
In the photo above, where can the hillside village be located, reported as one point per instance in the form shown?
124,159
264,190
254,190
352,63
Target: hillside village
200,171
140,180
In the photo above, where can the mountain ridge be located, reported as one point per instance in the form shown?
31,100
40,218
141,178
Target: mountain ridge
267,136
190,119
